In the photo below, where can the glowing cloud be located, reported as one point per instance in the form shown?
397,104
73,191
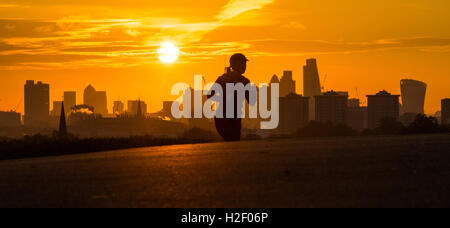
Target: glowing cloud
7,5
236,7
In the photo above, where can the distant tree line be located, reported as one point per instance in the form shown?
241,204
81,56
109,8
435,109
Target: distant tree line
53,145
421,125
388,126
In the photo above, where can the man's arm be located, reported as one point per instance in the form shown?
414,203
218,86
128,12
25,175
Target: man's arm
247,93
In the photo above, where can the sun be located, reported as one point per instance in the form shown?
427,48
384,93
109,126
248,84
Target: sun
168,53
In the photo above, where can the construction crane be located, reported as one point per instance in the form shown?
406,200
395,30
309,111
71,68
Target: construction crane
17,106
323,84
357,95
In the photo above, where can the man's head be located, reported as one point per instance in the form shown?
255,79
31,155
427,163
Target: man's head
238,63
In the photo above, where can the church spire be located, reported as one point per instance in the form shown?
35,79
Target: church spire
62,122
139,110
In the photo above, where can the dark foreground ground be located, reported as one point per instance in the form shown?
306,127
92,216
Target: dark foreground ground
354,172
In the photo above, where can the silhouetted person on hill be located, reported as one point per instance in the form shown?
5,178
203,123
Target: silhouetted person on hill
230,128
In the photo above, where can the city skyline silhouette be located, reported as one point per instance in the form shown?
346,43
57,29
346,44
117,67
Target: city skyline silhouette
293,111
224,104
413,94
119,53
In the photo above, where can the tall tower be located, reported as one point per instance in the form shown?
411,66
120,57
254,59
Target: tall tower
413,96
137,107
56,108
139,110
70,100
311,81
37,103
287,84
118,107
167,109
311,85
273,80
96,99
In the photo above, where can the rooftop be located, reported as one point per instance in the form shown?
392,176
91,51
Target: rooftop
414,82
383,93
274,79
335,93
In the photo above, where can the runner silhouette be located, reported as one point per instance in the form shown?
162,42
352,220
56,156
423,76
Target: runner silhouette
230,128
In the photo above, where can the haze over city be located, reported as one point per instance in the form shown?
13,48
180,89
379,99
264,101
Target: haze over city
114,46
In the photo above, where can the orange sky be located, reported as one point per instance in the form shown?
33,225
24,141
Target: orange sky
369,45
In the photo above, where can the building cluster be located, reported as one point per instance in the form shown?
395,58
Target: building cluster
335,107
37,99
92,117
89,119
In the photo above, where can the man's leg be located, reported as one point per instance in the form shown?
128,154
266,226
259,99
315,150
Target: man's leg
237,129
229,129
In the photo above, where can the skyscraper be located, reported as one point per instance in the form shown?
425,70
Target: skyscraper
133,107
294,113
56,108
382,105
273,80
445,111
287,84
331,107
311,84
167,109
96,99
413,96
37,103
70,100
311,81
118,107
139,112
